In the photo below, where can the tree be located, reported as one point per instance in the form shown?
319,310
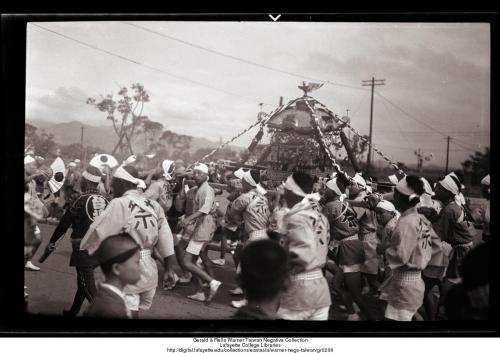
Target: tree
42,145
151,131
174,146
478,165
130,108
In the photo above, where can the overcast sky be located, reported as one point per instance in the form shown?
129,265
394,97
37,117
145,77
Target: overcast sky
437,73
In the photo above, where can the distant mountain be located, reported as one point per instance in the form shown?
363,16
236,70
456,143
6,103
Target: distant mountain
101,136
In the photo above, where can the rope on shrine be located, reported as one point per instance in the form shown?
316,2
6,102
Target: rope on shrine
263,122
345,123
319,133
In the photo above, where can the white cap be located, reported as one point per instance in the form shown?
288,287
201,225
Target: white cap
201,167
71,164
386,205
28,159
77,160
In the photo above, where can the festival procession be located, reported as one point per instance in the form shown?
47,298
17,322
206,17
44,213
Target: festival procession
302,224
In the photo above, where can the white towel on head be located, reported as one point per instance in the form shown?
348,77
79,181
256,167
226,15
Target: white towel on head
486,180
121,173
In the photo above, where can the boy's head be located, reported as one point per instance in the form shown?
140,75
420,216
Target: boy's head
118,256
264,270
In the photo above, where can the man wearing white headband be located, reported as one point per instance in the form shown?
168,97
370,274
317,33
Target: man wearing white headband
452,227
344,229
307,236
367,232
204,218
408,253
161,189
146,223
387,217
251,206
481,214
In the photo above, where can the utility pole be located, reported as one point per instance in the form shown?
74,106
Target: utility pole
347,114
447,153
81,146
373,82
281,101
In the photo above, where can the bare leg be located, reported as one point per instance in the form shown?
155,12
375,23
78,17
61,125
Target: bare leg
206,261
190,264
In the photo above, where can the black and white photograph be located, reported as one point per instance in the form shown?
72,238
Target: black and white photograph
257,170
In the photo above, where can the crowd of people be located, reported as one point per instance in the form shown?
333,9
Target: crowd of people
296,249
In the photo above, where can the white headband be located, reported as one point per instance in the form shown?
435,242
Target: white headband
486,180
393,179
332,185
427,186
261,190
403,188
28,159
449,184
247,176
121,173
91,177
166,164
239,173
130,160
386,205
292,186
201,167
359,179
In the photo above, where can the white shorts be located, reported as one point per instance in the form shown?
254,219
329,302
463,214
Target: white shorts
320,314
194,247
140,301
351,268
398,314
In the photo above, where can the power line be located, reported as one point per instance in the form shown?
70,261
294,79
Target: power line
464,147
407,140
147,66
415,119
229,56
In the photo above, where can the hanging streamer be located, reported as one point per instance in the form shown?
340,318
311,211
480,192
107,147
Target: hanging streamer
263,122
345,123
319,133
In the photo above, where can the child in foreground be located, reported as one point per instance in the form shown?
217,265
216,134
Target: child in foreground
118,256
264,276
